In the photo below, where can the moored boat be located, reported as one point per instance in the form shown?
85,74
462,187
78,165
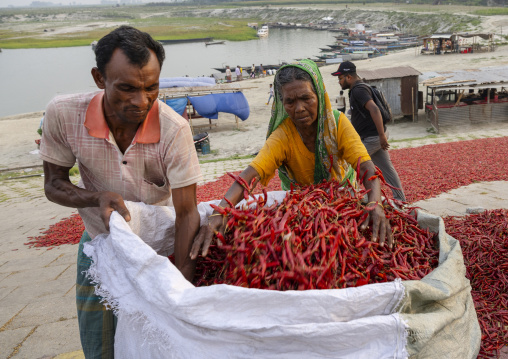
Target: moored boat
263,31
247,68
214,43
183,41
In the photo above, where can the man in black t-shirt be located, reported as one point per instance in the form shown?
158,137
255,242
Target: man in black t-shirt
368,122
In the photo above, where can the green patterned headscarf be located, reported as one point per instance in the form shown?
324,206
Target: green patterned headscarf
326,141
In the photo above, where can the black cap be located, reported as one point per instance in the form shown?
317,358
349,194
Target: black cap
345,67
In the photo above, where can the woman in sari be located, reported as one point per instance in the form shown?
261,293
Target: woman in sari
304,136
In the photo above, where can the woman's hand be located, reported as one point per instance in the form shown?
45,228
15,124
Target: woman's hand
206,233
217,222
380,225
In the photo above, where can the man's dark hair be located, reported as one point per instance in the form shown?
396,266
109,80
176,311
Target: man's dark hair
290,74
135,44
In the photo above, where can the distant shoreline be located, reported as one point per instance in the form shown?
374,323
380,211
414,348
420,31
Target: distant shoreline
25,115
80,26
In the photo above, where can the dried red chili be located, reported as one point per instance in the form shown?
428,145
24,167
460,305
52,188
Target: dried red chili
484,241
67,231
312,241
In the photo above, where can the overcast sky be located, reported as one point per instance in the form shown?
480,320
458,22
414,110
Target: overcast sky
5,3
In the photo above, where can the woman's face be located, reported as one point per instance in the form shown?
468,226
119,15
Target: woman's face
300,102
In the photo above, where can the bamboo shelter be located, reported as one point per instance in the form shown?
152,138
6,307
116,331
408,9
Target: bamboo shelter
466,96
463,43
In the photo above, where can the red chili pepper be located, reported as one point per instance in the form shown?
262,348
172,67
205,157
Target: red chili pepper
313,238
484,241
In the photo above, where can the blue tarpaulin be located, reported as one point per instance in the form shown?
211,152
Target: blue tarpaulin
209,106
177,104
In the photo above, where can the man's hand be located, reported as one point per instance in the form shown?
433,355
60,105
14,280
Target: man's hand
59,189
205,235
380,225
384,141
109,202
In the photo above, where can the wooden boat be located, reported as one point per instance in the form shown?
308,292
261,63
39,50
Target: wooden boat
214,43
328,56
247,68
183,41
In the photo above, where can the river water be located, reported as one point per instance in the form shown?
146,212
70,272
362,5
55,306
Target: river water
29,78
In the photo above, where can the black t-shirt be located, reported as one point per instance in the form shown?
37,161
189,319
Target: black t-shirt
360,116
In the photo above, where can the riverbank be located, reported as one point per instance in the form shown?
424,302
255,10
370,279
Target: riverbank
79,26
18,133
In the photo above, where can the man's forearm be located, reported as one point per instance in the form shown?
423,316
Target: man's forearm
66,194
59,189
376,117
186,228
378,121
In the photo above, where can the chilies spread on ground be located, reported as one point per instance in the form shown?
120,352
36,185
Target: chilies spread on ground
484,241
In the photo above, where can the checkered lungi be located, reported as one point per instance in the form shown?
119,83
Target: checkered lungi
97,325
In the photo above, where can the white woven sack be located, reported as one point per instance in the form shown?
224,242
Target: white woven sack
161,315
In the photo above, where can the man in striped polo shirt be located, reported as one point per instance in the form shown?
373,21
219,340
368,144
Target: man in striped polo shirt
128,146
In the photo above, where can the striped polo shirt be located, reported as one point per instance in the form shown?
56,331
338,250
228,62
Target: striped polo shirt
161,156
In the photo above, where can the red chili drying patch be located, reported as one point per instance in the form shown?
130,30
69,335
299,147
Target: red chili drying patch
430,170
425,172
68,231
484,241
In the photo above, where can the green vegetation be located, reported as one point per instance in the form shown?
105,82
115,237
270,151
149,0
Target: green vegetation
48,27
26,43
8,175
161,28
74,171
20,174
413,139
490,12
342,2
191,27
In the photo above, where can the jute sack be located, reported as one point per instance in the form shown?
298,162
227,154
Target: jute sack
439,309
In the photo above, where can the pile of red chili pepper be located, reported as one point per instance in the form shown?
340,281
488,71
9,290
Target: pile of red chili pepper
313,240
67,231
484,241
